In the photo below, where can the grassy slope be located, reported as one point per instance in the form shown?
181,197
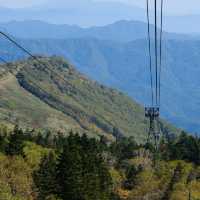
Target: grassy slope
19,106
45,100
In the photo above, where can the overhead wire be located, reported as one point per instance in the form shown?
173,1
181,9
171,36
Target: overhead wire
44,65
155,72
156,49
155,52
161,46
25,50
17,44
157,68
149,52
36,84
9,38
3,60
30,81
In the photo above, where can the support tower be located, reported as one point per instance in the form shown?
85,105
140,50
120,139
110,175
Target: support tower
153,113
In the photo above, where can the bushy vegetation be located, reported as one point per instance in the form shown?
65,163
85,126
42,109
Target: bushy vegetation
58,167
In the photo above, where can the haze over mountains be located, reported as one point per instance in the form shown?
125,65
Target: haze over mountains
120,31
82,12
122,63
88,13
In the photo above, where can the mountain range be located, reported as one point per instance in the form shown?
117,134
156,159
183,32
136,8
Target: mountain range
81,12
124,65
120,31
87,13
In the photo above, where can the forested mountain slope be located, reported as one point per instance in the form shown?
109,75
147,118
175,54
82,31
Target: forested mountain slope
125,66
34,96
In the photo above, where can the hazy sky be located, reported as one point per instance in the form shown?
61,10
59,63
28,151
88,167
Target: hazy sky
172,6
21,3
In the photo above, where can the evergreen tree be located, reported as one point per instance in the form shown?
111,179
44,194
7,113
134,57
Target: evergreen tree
105,180
82,173
131,176
16,142
44,178
186,147
3,138
3,143
124,148
40,139
70,172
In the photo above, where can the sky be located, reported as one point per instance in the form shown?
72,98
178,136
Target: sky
175,7
20,3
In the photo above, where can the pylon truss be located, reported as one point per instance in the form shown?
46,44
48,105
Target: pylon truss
153,113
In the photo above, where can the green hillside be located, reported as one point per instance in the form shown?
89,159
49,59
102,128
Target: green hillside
34,96
119,65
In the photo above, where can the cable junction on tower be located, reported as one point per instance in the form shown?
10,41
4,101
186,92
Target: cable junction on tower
155,40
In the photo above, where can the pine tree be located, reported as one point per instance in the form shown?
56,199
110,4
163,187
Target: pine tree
16,142
45,179
97,179
3,143
40,139
105,179
70,172
131,176
82,173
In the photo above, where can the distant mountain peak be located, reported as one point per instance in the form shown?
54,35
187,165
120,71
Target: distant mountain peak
123,30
